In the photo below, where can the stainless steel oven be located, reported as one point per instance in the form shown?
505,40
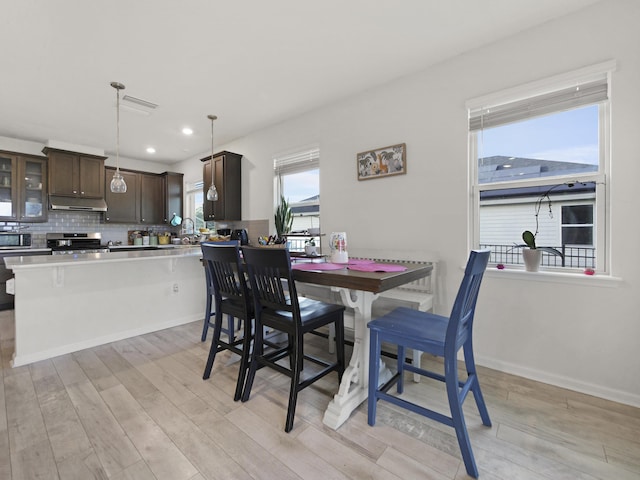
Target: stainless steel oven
74,243
14,240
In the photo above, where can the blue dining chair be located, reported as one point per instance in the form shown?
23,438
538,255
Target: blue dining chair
440,336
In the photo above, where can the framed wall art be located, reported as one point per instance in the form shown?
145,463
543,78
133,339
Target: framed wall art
382,162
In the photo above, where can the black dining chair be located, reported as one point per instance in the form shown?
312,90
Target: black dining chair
209,310
278,307
440,336
231,297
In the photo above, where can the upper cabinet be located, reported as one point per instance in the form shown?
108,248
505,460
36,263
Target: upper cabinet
152,206
227,179
23,188
173,195
75,174
150,198
122,207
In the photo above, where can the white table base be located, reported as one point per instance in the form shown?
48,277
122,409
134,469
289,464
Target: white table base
354,386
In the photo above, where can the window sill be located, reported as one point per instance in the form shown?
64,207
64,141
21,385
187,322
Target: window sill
572,278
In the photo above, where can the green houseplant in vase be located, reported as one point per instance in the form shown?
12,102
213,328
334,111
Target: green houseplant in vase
283,220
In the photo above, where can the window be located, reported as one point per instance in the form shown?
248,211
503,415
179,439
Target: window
297,178
538,159
194,198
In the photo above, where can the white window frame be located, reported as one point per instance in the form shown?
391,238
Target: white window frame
602,211
296,161
191,189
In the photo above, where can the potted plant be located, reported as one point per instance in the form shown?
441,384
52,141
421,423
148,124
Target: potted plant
310,247
532,254
283,219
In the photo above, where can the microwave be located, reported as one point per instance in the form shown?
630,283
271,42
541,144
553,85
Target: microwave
12,240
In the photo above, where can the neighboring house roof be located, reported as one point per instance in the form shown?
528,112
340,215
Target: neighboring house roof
502,168
308,205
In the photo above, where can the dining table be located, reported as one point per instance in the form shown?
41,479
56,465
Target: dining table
358,287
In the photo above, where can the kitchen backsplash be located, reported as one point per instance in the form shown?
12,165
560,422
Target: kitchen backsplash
71,222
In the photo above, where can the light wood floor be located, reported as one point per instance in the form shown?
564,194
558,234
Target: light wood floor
139,409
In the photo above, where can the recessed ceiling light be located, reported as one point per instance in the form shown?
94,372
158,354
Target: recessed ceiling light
187,131
151,150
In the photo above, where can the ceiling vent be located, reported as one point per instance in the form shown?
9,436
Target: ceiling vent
137,105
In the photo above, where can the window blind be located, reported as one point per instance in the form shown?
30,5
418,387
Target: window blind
297,162
565,99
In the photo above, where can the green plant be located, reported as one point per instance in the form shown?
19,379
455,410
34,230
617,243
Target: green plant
283,217
529,237
311,242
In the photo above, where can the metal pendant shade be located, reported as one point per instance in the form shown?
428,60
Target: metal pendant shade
118,185
212,193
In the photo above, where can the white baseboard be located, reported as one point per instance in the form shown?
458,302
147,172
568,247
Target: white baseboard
20,360
615,395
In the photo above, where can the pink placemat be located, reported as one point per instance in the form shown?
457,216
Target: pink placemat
359,261
378,267
317,266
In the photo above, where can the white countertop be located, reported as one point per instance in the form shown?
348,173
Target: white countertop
47,261
25,250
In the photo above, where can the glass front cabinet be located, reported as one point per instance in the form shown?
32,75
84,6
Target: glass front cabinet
23,188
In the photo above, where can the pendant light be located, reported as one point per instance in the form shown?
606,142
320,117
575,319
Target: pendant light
212,193
118,184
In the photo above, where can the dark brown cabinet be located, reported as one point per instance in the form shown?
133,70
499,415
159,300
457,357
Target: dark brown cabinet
150,198
75,174
23,187
173,195
122,207
227,179
152,205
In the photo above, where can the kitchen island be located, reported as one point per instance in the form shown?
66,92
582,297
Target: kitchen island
66,303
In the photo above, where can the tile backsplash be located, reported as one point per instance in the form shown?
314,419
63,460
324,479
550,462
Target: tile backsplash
72,222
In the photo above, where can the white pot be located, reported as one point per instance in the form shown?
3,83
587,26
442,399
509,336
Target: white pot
532,259
310,250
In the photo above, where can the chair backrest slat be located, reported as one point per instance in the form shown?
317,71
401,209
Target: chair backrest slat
224,270
271,279
461,319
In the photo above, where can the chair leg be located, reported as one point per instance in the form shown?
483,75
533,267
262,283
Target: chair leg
207,317
401,360
231,328
244,360
475,388
457,416
256,352
296,362
217,327
374,373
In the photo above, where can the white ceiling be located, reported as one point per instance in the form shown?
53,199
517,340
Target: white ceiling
253,63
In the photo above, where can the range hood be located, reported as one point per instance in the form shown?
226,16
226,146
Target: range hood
59,202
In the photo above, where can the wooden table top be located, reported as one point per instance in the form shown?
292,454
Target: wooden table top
375,282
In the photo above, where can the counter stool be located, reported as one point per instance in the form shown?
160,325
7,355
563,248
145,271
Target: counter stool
225,273
277,306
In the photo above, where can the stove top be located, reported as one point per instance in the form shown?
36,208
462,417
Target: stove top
75,243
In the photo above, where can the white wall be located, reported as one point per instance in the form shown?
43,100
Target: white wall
579,336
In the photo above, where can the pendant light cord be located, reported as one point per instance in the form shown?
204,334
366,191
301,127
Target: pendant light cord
117,130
